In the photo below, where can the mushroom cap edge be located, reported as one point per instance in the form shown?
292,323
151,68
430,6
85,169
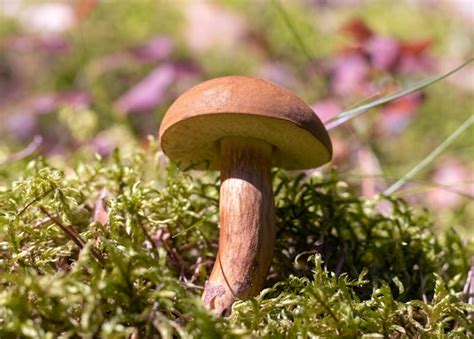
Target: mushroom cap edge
242,106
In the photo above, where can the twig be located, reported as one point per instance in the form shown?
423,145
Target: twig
44,221
174,257
73,235
192,286
147,236
77,240
34,200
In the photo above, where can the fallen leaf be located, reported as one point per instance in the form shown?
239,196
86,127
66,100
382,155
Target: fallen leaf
149,92
357,29
100,211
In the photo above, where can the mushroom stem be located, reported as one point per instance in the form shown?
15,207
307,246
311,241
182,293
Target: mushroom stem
247,223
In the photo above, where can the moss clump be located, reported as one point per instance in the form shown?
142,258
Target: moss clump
69,267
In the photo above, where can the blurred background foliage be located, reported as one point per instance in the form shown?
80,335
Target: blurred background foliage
87,76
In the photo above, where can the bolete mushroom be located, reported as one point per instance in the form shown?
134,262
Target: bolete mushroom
243,126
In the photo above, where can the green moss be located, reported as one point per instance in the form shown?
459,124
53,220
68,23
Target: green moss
341,267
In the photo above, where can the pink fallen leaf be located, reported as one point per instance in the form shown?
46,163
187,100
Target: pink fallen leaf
154,49
22,120
357,29
21,125
47,103
148,93
52,44
103,144
42,104
100,211
349,75
75,99
410,64
383,52
414,56
154,89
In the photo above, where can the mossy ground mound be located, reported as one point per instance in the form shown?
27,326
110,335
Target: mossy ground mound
343,266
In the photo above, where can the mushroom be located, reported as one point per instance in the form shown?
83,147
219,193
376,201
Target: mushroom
243,126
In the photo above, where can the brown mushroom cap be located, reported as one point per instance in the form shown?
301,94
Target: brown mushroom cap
241,106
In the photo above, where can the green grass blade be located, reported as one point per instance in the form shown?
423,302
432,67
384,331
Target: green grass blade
196,224
281,10
423,163
349,114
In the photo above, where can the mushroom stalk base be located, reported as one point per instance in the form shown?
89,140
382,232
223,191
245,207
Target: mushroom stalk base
247,223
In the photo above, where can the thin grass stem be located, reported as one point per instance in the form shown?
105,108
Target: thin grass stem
430,157
352,113
299,40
